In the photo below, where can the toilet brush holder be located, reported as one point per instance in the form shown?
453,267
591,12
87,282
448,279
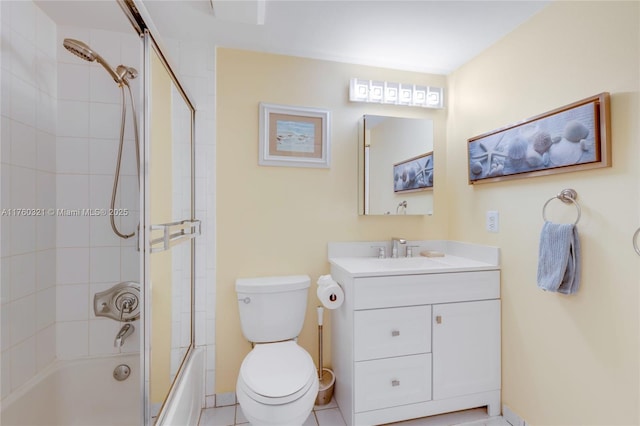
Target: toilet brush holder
326,378
325,390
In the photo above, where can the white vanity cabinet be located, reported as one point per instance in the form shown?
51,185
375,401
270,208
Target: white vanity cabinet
412,345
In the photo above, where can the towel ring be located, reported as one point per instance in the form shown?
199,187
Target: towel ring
568,196
635,241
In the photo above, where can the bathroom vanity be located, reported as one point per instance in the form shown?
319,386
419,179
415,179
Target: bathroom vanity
415,336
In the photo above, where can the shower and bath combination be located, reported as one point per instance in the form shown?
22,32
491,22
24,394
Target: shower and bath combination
121,75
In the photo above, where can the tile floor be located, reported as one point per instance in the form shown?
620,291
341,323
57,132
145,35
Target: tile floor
329,415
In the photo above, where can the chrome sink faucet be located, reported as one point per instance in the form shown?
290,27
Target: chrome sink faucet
395,246
125,331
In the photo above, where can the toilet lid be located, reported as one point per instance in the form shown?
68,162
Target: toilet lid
276,370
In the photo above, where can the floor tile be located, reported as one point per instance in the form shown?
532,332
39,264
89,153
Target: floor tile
331,404
330,417
240,418
219,416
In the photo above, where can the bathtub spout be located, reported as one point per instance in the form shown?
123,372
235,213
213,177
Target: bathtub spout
125,331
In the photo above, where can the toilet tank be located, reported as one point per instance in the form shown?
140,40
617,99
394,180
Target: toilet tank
272,308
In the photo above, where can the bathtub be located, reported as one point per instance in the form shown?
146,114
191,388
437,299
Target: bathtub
186,398
79,392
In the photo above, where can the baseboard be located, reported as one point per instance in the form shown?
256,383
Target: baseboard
511,417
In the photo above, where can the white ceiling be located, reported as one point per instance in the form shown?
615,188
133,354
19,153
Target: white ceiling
416,35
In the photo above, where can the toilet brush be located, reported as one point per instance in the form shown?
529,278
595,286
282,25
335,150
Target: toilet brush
325,376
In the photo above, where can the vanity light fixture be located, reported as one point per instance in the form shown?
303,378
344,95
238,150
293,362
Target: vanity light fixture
384,92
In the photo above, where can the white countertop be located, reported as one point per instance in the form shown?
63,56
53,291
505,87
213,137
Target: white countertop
359,258
372,267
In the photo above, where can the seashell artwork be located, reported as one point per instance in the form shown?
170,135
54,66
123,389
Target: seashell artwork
541,141
567,136
575,131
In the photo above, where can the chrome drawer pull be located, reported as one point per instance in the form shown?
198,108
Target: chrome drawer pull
395,382
395,333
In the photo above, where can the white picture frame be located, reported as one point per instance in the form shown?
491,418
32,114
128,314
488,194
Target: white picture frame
292,136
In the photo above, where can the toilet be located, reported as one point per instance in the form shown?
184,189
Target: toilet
278,382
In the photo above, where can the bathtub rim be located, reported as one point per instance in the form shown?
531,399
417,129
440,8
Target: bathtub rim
55,367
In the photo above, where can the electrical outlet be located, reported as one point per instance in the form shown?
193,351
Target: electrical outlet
493,221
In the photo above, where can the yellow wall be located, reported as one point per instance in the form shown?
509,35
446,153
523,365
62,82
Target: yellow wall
566,360
278,220
160,200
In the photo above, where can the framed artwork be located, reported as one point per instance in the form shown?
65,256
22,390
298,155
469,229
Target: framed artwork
294,136
573,137
414,174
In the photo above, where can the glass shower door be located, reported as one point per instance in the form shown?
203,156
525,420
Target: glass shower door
169,229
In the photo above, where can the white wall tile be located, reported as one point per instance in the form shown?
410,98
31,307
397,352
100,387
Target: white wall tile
72,191
24,98
23,318
23,145
105,264
72,155
104,120
24,15
46,112
103,154
5,280
72,265
46,269
72,302
6,54
102,87
46,152
23,63
73,82
46,75
102,333
23,362
23,275
5,327
5,364
45,308
46,34
72,339
7,91
73,231
73,119
45,347
107,43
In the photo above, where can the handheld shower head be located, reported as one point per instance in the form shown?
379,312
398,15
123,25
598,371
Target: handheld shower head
79,49
83,51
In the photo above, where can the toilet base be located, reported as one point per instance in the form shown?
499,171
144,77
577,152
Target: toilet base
292,413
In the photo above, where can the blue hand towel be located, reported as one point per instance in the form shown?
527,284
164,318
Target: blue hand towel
559,258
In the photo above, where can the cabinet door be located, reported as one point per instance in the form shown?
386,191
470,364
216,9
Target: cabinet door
466,348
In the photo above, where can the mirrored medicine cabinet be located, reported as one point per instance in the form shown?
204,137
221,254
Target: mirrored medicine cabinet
395,166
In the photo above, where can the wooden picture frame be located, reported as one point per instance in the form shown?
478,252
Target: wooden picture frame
294,136
414,174
571,138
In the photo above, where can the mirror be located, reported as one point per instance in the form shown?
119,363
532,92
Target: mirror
395,166
170,205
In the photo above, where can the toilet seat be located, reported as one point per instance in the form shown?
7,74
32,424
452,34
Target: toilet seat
277,373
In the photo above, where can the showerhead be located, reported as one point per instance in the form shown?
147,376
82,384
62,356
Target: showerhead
79,49
83,51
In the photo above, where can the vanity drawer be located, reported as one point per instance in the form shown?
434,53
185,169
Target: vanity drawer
427,289
391,382
383,333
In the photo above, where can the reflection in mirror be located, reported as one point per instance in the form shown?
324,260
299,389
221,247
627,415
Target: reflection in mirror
396,166
170,200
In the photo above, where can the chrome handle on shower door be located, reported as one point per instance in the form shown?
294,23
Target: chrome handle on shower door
173,233
635,241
